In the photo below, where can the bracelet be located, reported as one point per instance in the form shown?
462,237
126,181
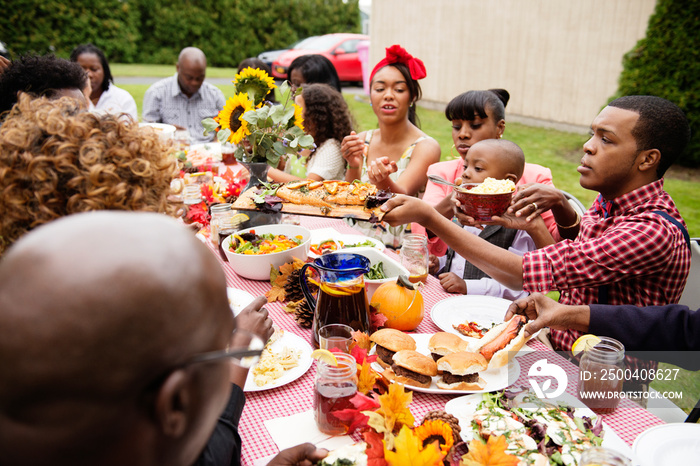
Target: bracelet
354,168
575,224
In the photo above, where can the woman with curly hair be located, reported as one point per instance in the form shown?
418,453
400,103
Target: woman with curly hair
326,118
56,159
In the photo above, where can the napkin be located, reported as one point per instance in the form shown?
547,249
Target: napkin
304,430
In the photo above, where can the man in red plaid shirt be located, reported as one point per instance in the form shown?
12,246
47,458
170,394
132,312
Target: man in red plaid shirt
629,248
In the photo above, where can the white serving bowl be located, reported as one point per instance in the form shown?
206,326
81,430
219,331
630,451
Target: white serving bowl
164,130
392,268
257,266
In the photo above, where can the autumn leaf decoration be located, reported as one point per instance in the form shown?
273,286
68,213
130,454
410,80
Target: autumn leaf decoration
393,413
491,453
278,278
410,451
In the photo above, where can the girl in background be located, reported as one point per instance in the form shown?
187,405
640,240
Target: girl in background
326,118
475,116
312,69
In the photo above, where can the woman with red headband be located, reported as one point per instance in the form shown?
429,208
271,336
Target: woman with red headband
396,156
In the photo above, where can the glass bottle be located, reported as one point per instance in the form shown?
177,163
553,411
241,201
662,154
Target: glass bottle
601,375
599,456
333,388
414,256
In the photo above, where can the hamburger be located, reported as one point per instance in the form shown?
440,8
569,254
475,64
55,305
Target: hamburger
460,371
411,368
388,341
444,343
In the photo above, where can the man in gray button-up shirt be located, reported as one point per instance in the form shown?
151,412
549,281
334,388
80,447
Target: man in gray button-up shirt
184,99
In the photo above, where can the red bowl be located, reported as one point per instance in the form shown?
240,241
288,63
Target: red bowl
482,207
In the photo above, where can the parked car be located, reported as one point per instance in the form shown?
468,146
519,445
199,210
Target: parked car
339,48
269,56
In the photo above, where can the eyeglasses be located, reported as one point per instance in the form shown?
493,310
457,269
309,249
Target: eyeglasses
244,349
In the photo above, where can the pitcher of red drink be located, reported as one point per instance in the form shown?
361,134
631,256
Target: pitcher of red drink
342,298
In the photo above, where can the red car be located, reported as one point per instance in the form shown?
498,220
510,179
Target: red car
340,49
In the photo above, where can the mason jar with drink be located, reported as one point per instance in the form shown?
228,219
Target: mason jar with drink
414,256
601,375
333,388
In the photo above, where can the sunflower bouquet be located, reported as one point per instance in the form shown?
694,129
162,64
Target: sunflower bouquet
261,131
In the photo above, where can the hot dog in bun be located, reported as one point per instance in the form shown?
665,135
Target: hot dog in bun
411,368
388,342
460,371
502,342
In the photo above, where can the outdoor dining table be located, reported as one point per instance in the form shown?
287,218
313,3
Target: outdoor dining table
628,421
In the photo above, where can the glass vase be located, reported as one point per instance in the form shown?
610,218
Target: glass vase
258,174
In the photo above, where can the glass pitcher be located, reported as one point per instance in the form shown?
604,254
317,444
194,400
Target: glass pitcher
342,298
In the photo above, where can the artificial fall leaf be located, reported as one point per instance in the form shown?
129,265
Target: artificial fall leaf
207,193
394,407
377,319
360,355
410,451
362,340
366,376
375,448
198,213
491,453
355,417
275,294
286,270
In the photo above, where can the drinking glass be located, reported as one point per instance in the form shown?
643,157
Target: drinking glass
335,337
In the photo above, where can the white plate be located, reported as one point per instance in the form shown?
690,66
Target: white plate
323,234
669,444
288,340
238,299
496,379
463,409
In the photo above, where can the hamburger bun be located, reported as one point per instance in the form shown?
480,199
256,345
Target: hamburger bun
444,343
389,341
411,368
465,366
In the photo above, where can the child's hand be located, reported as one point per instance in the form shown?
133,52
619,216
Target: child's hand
353,149
452,283
433,264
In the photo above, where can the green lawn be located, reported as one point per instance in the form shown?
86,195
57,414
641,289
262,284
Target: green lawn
557,150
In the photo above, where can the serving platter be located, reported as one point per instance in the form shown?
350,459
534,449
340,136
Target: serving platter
464,407
496,379
323,234
291,341
245,203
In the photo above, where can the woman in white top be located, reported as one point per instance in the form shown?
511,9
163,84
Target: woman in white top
105,96
326,118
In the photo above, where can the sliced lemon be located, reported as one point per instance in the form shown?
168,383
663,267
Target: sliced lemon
239,218
323,355
584,343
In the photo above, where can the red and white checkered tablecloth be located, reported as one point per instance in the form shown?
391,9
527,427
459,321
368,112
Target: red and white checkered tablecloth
628,421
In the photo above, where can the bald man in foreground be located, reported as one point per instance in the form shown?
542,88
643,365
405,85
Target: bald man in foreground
184,99
105,319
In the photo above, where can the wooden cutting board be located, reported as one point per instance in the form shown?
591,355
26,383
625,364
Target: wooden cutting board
245,202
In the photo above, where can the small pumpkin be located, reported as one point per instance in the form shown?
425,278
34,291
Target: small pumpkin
401,303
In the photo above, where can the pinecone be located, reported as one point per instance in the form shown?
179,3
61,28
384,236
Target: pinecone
448,418
303,313
292,289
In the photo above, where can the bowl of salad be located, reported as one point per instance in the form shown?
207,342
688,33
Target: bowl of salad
253,251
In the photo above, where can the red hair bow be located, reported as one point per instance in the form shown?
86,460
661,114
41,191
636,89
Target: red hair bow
398,54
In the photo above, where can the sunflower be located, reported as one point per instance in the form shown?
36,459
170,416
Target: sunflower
298,119
230,117
436,430
254,82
